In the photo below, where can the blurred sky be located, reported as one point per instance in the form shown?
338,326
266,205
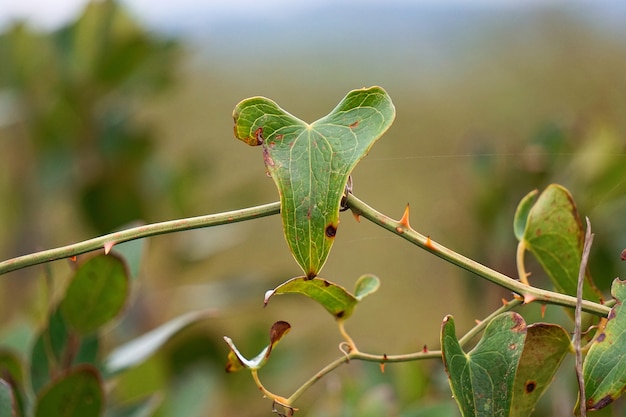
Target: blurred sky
162,13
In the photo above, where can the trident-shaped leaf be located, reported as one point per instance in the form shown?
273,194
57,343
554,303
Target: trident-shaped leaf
310,163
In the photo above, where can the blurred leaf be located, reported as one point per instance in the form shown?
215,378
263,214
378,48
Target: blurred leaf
47,354
141,348
366,285
334,298
604,369
96,294
482,380
444,409
78,393
7,402
310,163
11,371
554,234
521,214
236,361
545,348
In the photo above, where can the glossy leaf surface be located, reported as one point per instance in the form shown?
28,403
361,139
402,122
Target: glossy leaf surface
604,367
310,163
482,380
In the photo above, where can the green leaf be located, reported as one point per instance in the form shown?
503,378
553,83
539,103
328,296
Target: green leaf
77,393
334,298
545,348
7,402
310,163
482,380
236,361
47,353
141,348
555,236
96,294
366,285
604,368
521,214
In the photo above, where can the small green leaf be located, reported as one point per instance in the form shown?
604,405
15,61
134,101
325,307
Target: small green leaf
310,163
141,348
604,368
96,294
545,348
7,402
521,214
334,298
555,236
77,393
482,380
236,361
366,285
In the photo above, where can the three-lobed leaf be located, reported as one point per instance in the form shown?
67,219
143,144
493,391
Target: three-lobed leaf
310,163
604,368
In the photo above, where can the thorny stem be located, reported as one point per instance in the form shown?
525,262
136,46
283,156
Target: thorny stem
529,293
138,233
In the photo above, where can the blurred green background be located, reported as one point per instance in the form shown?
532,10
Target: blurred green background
113,119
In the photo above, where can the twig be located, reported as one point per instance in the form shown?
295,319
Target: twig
578,319
138,233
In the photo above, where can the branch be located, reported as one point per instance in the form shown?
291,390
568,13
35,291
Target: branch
578,317
107,241
529,293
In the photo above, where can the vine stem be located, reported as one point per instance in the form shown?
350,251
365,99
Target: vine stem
408,357
527,292
107,241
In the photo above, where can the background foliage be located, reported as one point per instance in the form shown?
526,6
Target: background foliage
103,122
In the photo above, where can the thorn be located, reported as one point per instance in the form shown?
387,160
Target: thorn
73,258
429,243
518,297
357,216
425,349
477,321
382,364
108,246
505,302
528,298
404,221
543,310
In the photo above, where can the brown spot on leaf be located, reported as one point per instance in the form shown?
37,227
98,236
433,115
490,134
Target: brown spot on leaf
353,125
600,404
519,325
601,337
530,386
340,314
258,135
279,137
330,231
326,283
538,232
311,275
